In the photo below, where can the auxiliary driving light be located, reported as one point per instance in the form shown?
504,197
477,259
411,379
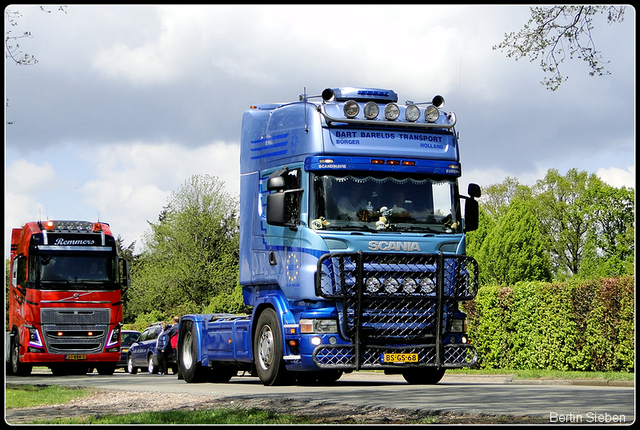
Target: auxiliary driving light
372,285
391,112
409,286
427,285
371,110
351,109
431,114
391,286
412,113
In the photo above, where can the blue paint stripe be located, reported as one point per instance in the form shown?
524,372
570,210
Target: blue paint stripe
266,139
275,145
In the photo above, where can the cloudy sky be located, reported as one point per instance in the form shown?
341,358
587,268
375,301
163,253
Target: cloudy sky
127,102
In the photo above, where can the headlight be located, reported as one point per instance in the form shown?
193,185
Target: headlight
412,113
431,114
427,285
391,285
351,109
372,285
34,337
391,112
318,326
371,110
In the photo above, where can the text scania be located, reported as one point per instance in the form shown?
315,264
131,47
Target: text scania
382,245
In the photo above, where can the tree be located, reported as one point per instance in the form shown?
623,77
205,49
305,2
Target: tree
191,253
496,197
554,33
513,251
578,212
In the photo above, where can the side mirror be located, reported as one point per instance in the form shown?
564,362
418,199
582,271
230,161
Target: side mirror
474,190
124,274
283,208
276,183
471,209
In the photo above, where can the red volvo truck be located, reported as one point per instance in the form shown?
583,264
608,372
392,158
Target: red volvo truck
65,308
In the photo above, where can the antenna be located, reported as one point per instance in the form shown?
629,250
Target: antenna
306,128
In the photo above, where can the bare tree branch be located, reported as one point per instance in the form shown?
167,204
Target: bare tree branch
556,33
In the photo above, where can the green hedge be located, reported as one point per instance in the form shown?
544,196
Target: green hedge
579,325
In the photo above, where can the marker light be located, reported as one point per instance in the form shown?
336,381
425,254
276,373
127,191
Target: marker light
371,110
431,114
351,109
391,112
412,113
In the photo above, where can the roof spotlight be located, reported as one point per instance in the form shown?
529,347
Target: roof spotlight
371,110
351,109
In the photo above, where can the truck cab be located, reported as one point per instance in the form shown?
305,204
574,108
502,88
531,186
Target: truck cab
352,239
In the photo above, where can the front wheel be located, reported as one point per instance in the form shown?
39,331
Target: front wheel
131,369
268,350
106,369
189,367
423,376
18,368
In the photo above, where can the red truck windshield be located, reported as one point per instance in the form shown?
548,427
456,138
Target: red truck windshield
77,271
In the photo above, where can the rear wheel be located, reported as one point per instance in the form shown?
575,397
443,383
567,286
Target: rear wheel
268,350
423,376
189,367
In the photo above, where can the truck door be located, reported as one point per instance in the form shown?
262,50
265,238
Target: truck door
282,243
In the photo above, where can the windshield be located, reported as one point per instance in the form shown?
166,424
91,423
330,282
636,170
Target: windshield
384,203
75,271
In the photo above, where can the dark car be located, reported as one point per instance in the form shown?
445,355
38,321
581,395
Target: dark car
127,337
143,354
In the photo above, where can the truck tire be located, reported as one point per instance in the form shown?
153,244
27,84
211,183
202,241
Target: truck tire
106,369
131,369
190,369
18,368
423,376
268,350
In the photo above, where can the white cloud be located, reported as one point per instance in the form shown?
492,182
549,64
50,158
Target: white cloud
25,177
134,181
617,177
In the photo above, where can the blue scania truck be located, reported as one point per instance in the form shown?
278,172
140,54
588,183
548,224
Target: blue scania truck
352,245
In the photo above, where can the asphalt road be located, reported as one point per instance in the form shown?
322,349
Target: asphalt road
491,395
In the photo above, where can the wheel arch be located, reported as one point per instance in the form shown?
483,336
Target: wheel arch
278,303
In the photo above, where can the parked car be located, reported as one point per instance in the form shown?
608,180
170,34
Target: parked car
127,337
143,353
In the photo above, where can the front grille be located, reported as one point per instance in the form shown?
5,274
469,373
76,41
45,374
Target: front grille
76,325
394,300
370,357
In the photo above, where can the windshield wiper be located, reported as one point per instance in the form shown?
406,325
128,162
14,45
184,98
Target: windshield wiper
410,228
352,227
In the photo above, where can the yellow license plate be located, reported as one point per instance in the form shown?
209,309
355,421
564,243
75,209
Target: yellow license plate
75,357
399,358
